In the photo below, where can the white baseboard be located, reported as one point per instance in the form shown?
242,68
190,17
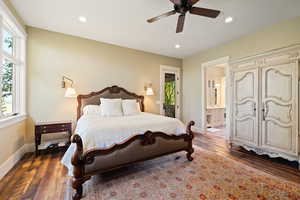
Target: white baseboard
30,147
12,160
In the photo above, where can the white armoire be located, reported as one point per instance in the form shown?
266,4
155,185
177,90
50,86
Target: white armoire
265,98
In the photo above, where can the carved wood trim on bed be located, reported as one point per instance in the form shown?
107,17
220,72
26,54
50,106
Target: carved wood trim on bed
109,92
148,138
80,159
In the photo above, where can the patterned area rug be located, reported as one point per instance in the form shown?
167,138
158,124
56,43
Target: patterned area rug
209,176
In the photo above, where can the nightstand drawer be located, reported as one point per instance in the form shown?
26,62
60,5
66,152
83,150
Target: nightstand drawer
53,128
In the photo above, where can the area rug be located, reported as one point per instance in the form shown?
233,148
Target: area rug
213,130
209,176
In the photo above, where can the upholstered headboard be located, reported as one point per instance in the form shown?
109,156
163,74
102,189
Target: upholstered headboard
113,92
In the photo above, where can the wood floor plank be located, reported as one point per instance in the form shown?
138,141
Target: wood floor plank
36,178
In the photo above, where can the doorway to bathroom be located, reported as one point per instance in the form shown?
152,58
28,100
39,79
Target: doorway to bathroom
215,90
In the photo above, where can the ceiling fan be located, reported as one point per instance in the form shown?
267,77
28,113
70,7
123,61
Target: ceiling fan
182,7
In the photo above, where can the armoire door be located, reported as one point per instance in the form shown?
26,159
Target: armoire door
245,102
279,108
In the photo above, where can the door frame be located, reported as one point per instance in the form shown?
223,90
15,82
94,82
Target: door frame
213,63
171,70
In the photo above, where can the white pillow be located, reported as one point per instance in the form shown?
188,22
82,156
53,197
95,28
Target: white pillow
111,107
130,107
92,110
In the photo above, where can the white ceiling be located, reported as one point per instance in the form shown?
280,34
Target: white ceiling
123,22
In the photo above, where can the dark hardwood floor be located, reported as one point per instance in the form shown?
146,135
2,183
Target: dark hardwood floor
41,178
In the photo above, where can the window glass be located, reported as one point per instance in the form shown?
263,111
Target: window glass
12,68
8,42
7,87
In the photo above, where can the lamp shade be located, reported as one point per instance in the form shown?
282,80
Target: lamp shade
70,93
149,91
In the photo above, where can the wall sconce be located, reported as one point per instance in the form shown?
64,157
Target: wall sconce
149,90
70,91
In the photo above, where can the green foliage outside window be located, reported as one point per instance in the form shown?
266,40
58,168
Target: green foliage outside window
7,80
170,93
9,42
2,106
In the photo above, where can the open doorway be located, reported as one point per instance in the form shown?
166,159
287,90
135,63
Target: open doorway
170,91
215,94
169,104
215,98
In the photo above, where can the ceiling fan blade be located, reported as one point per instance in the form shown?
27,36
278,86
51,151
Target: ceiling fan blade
180,23
154,19
205,12
192,2
176,2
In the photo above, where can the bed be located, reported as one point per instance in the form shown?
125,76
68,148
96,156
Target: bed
103,144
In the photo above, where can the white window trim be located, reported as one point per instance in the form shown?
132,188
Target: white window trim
12,19
13,23
8,121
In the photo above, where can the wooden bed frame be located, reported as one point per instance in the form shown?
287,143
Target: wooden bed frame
150,142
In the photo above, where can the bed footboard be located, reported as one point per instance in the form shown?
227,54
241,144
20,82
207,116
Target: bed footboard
149,145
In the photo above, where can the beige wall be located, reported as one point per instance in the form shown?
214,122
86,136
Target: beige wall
92,65
275,36
12,137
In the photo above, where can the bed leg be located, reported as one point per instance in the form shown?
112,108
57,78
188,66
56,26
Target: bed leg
189,154
78,168
77,186
190,133
230,145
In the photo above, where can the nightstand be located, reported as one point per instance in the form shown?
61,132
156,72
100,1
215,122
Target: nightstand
42,128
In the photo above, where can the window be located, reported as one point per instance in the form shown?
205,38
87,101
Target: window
8,84
7,42
12,67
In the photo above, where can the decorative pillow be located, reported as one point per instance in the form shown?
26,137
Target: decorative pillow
92,110
111,107
130,107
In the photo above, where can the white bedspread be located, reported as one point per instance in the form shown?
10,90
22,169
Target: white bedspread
103,132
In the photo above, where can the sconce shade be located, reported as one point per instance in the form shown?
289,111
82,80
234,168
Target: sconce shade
70,93
149,91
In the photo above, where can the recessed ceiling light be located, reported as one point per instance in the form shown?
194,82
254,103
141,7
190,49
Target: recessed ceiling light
82,19
177,46
228,20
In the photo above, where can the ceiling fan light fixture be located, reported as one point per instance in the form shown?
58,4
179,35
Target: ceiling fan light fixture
82,19
228,20
182,7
